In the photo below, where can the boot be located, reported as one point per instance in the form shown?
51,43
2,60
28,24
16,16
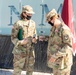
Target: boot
29,73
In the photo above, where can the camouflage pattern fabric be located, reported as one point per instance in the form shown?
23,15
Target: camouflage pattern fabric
64,72
60,48
24,60
23,54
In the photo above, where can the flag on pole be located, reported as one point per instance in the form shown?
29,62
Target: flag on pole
68,18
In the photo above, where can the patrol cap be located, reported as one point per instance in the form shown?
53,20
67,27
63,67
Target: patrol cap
28,9
51,14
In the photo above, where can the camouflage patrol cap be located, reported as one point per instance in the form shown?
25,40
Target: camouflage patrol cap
51,14
28,9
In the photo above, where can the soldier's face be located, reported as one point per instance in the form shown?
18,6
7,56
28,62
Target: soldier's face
51,22
27,15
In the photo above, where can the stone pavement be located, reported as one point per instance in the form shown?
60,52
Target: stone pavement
10,71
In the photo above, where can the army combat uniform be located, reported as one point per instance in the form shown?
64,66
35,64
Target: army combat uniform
60,48
23,54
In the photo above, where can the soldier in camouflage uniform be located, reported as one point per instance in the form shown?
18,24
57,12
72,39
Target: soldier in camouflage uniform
23,50
59,51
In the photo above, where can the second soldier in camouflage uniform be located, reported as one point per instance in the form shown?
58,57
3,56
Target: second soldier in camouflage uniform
59,52
23,50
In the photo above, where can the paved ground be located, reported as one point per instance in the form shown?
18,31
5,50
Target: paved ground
9,72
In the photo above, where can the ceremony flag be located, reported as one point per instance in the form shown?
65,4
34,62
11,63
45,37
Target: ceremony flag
68,18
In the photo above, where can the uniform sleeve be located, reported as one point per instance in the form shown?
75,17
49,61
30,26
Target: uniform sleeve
48,50
66,43
14,33
35,31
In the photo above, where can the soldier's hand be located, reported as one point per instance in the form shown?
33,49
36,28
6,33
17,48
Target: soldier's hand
34,40
24,42
52,59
